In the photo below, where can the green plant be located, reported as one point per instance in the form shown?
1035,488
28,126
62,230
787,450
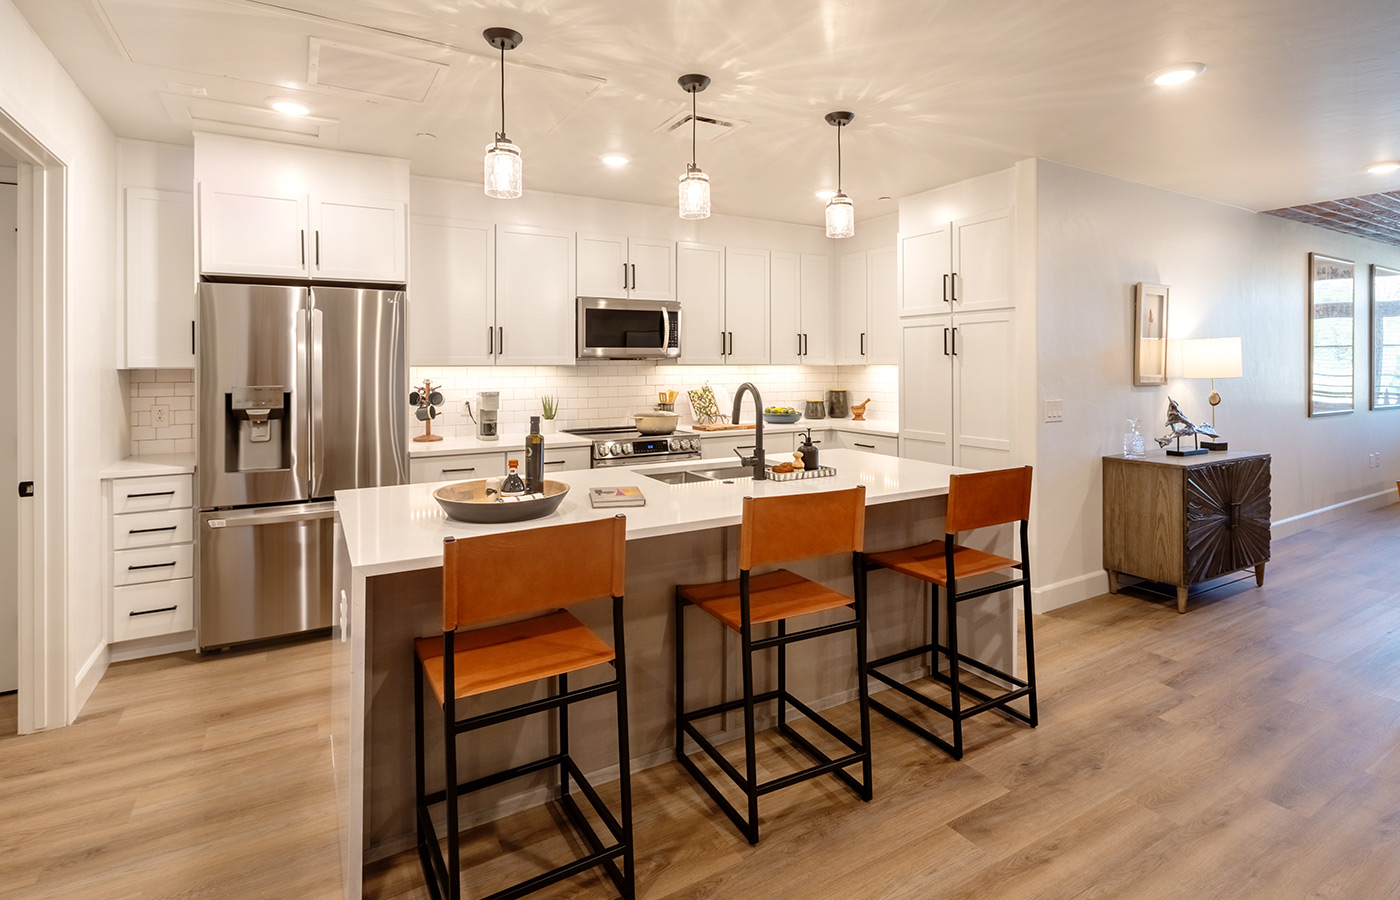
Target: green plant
549,405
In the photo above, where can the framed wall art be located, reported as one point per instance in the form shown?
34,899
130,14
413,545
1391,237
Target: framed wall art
1331,335
1385,338
1150,335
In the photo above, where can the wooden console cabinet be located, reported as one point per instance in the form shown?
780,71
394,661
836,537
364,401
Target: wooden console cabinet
1185,519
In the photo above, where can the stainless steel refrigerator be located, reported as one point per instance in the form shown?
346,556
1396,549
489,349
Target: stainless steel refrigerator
301,393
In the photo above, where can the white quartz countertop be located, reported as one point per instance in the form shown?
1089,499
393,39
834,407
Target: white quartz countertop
508,443
885,427
396,529
154,464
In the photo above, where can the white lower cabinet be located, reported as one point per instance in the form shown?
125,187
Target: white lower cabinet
870,443
150,571
151,610
561,459
459,467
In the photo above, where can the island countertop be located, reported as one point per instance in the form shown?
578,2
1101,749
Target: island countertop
401,528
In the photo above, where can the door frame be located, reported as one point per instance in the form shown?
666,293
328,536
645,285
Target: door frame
45,698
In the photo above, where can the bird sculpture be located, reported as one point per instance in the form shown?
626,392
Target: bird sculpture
1181,426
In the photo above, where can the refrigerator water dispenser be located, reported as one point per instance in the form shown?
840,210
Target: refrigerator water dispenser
259,442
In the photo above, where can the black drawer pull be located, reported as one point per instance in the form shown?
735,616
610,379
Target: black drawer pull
866,446
555,462
168,565
147,612
468,469
151,494
150,530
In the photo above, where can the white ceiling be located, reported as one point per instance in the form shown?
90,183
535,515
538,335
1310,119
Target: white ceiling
1298,97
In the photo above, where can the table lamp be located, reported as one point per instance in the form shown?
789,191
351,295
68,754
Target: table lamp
1212,358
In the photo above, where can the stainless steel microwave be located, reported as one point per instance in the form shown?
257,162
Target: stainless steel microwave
628,329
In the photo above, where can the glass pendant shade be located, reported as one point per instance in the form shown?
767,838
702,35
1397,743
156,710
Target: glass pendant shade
505,170
695,194
840,217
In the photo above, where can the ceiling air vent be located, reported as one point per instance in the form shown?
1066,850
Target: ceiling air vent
373,74
707,128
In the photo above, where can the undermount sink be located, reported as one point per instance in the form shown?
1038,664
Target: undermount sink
701,476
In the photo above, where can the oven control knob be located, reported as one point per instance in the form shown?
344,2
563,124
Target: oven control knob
692,444
626,449
604,449
674,444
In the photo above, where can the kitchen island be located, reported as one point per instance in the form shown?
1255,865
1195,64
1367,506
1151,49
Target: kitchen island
388,590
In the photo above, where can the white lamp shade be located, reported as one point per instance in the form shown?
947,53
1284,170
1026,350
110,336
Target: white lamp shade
840,217
505,170
1211,358
695,194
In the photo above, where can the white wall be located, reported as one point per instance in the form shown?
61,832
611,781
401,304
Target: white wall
1232,273
36,92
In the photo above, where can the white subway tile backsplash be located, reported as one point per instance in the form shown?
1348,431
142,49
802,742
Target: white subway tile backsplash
173,388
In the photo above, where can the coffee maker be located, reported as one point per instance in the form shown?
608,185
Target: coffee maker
488,409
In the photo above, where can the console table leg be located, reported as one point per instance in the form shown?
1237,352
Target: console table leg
1259,574
1181,591
1112,582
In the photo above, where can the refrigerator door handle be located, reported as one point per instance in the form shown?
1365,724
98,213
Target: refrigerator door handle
318,424
301,512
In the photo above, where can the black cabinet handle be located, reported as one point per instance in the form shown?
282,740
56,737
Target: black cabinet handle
150,530
191,337
634,276
862,343
303,246
490,340
468,469
169,565
624,276
866,446
799,343
955,340
147,612
945,341
501,341
955,287
555,462
318,248
945,288
151,494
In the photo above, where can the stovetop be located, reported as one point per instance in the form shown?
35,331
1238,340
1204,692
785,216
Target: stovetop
611,433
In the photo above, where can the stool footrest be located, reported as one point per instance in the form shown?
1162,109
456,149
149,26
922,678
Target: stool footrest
535,706
495,778
779,640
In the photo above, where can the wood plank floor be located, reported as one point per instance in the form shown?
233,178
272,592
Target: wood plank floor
1250,748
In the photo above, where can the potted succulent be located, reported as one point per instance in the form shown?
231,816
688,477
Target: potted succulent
549,408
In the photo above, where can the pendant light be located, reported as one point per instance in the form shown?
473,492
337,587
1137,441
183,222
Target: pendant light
840,211
695,184
505,170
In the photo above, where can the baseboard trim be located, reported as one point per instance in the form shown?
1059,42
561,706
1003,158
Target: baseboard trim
1295,524
85,682
153,646
1069,591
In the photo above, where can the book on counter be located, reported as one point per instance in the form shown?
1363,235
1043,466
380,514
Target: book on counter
630,495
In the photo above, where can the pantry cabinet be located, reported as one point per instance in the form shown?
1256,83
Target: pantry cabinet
158,258
624,267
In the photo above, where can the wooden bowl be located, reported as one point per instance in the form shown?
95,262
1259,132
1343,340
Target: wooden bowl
468,501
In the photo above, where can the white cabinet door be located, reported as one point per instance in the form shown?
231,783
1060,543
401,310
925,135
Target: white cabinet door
983,395
881,308
746,305
652,268
982,252
535,296
785,309
358,239
926,390
602,265
458,467
925,268
700,289
160,279
816,310
250,232
850,332
452,293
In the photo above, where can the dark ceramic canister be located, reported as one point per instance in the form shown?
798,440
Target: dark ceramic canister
837,405
816,409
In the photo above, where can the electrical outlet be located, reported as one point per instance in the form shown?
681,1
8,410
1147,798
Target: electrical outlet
160,415
1054,410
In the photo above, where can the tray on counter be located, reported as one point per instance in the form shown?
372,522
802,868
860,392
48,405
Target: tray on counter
818,472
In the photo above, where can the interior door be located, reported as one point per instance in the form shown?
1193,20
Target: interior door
9,447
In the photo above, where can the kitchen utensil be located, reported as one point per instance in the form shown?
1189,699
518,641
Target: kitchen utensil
837,405
781,418
858,410
479,501
655,421
816,409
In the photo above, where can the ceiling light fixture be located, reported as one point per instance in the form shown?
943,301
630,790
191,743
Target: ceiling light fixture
616,160
1383,168
695,184
840,211
289,107
1176,74
505,170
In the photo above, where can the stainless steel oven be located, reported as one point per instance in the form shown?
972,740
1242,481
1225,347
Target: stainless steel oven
628,329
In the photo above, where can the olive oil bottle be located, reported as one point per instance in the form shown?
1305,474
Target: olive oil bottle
534,458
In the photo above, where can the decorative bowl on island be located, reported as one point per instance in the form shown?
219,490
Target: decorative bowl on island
479,503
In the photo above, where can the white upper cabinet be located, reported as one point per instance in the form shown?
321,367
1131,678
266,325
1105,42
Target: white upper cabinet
158,251
882,315
925,266
816,310
245,231
785,309
358,239
963,266
746,306
700,289
852,282
611,265
452,293
535,296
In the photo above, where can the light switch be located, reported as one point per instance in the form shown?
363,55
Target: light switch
1054,410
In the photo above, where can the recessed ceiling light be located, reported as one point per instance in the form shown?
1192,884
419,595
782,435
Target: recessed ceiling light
884,198
1383,168
1176,74
426,136
616,160
288,107
825,195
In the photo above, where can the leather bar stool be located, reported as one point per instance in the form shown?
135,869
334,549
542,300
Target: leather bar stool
975,500
536,574
776,530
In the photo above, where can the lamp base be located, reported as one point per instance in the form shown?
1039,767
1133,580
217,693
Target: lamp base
1215,445
1195,451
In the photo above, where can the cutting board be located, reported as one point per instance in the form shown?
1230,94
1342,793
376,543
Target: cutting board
721,427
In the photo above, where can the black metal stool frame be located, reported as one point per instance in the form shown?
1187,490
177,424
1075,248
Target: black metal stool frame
824,764
445,880
956,711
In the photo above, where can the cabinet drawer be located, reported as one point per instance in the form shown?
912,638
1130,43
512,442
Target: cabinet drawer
165,526
459,468
146,494
870,443
152,564
558,459
148,610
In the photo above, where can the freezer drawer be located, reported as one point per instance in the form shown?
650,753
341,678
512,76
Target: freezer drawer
264,572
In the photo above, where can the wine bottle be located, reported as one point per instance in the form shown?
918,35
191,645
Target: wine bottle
513,486
534,458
